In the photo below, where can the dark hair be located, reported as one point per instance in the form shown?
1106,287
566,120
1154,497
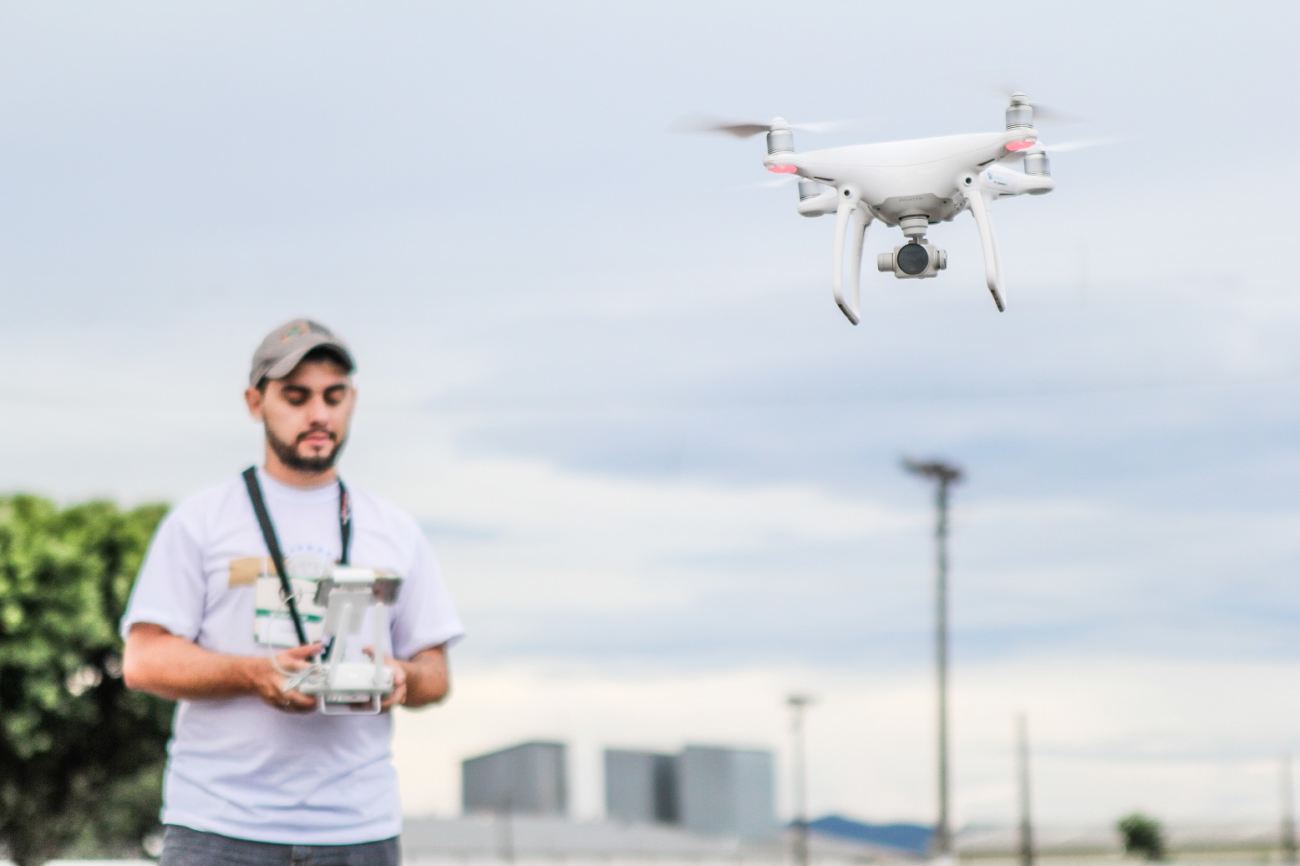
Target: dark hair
327,353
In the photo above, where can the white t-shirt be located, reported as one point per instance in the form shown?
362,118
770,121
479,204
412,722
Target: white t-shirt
235,765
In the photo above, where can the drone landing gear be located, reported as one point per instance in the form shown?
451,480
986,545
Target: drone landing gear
851,220
979,208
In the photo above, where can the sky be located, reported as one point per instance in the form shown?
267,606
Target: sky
605,372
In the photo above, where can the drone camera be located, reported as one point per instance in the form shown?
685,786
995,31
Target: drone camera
915,259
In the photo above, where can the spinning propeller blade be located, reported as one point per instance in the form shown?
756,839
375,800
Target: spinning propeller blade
746,129
1054,115
1081,144
702,124
1041,111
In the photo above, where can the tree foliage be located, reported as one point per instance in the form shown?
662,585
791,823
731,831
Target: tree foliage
80,756
1142,835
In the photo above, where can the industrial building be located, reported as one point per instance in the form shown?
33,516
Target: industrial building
706,790
703,790
724,791
641,787
527,779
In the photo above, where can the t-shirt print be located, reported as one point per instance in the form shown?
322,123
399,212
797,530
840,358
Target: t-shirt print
272,622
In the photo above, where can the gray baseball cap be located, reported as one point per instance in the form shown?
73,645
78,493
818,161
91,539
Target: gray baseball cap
284,348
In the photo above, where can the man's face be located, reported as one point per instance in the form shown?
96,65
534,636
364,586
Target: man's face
306,414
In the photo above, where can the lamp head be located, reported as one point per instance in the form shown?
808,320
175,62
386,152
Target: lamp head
944,473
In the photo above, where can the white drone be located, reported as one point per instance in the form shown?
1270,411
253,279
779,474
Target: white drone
911,184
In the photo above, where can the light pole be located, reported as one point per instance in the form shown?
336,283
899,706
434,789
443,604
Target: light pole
1288,813
944,475
1026,819
797,704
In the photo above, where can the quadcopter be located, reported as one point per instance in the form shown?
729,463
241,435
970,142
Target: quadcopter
911,184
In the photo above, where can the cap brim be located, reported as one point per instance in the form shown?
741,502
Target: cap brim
286,365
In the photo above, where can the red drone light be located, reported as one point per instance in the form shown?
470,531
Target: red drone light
1021,144
782,169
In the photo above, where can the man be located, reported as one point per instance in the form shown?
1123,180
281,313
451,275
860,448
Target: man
255,774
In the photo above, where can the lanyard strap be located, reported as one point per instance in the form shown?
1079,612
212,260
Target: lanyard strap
273,542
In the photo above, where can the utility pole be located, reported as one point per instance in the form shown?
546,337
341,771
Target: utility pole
1288,812
797,705
944,475
1026,820
506,829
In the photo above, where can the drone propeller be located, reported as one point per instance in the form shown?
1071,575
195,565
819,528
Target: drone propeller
1041,111
746,129
1080,144
1041,147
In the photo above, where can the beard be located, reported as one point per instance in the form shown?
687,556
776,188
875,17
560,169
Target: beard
289,456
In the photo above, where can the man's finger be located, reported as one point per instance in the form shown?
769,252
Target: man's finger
296,701
295,659
303,652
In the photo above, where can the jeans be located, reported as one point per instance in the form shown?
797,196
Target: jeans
185,847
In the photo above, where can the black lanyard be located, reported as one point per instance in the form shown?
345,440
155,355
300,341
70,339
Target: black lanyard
273,542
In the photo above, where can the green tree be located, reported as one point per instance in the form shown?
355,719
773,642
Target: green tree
1142,835
80,756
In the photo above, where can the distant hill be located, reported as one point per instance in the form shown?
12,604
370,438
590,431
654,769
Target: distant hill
913,838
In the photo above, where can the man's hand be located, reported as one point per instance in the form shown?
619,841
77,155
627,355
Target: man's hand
271,677
427,680
175,668
397,696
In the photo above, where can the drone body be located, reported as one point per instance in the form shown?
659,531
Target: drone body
912,185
